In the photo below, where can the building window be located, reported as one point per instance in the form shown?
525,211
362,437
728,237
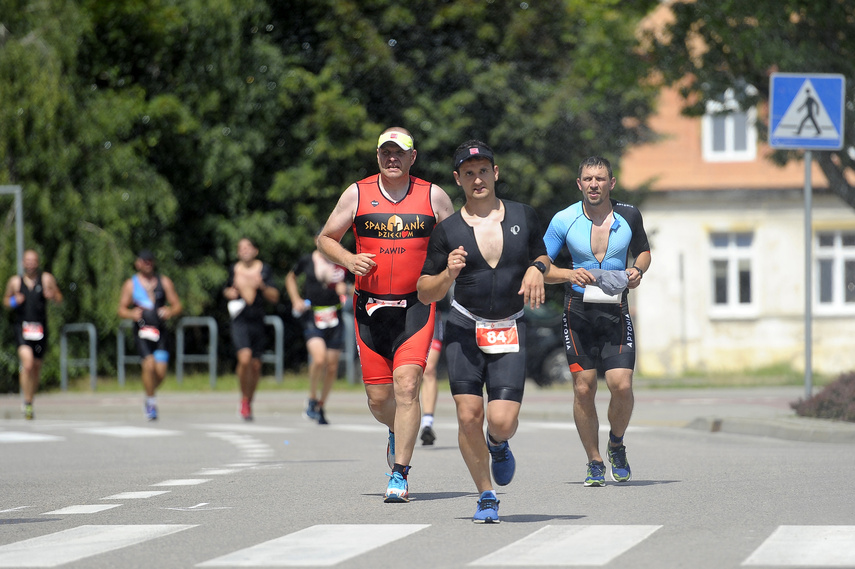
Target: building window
728,133
835,270
732,278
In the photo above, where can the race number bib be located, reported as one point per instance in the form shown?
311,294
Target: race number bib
150,333
595,294
32,331
325,317
374,304
498,337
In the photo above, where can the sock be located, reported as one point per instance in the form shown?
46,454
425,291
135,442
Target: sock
615,441
404,470
151,401
491,441
427,420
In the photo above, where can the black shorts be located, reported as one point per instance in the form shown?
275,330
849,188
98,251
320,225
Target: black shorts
39,347
391,337
598,332
149,347
333,337
470,370
249,333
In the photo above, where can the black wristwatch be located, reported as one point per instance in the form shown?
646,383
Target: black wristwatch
539,266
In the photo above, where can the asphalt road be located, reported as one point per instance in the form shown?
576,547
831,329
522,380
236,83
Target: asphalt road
720,479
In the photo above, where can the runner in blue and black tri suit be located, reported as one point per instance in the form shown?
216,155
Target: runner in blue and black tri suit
493,253
149,299
601,234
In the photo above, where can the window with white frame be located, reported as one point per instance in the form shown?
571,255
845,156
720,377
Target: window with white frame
728,132
731,257
835,270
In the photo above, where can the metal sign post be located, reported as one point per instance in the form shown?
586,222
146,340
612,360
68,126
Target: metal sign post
806,113
19,223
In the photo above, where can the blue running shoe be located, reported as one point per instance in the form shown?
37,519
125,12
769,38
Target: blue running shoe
620,467
397,490
151,412
311,411
596,474
504,465
390,451
488,509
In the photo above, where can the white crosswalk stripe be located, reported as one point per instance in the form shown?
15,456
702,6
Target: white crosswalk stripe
316,546
82,509
568,546
128,432
78,543
17,437
329,545
806,546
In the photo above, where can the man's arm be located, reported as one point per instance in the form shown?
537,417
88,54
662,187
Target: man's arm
433,288
51,289
532,289
12,288
642,263
442,206
125,301
329,240
174,307
268,287
557,275
293,291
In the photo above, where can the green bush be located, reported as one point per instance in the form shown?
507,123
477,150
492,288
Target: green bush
835,401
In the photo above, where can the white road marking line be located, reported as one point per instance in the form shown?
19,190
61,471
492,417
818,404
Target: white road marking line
216,471
359,428
316,546
183,482
136,495
16,437
128,432
566,546
83,509
79,543
806,546
243,428
14,509
200,508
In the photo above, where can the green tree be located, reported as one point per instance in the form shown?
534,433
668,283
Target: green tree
182,126
712,46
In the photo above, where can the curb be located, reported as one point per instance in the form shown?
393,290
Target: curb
789,428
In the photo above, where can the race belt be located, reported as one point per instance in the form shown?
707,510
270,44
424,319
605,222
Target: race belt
494,336
32,331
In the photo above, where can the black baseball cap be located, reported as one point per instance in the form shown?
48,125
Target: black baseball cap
145,255
464,154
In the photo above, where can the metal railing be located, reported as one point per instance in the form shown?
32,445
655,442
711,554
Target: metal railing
123,359
276,358
210,358
91,361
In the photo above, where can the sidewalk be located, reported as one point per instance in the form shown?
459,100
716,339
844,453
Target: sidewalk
763,411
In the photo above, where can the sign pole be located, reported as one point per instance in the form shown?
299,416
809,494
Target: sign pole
806,113
808,278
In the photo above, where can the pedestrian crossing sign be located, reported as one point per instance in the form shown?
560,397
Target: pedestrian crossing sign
806,111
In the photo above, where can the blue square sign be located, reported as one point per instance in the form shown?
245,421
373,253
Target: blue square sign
806,111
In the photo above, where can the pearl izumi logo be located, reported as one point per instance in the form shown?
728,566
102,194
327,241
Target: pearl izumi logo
401,226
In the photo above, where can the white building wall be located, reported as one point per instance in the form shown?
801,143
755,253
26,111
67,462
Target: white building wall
678,327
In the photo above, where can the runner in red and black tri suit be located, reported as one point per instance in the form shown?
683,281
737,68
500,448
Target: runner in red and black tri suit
392,215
